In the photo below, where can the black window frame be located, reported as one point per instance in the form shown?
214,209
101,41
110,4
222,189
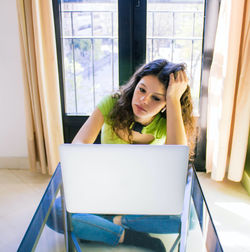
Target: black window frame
132,53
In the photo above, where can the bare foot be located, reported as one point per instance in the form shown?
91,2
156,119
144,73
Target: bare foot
122,237
118,220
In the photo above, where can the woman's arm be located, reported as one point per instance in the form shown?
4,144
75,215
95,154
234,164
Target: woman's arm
90,129
175,126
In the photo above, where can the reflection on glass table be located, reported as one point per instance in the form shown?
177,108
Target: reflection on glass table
197,231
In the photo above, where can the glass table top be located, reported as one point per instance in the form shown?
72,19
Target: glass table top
197,231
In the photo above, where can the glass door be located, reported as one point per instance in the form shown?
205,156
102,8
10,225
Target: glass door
87,48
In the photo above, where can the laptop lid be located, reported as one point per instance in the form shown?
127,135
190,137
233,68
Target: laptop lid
124,179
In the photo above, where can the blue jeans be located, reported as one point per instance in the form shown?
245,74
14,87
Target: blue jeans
102,229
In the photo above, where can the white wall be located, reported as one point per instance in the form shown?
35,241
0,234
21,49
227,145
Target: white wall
12,123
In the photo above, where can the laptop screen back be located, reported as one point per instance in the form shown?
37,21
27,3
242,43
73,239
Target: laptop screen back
124,179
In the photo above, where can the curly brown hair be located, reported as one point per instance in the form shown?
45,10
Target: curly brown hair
121,116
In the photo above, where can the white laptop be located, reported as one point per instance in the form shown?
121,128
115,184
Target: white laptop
124,179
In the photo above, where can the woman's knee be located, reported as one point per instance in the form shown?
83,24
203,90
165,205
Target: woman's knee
56,218
86,226
96,228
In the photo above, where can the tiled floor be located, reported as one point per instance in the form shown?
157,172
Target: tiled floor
20,194
21,191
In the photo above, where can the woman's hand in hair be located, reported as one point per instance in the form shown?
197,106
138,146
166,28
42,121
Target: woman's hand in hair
175,126
177,86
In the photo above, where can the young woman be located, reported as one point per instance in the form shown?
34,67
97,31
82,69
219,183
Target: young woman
154,107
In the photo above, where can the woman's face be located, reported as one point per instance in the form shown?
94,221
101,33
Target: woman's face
149,98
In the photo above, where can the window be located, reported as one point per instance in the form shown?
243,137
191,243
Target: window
175,32
90,46
96,55
90,53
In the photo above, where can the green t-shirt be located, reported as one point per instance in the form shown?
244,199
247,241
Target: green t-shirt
157,127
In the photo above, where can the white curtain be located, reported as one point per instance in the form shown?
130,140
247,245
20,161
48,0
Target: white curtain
229,93
41,85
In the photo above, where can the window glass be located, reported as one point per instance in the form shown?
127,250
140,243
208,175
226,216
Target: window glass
90,53
175,32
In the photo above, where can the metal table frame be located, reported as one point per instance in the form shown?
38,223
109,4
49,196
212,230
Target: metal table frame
193,190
